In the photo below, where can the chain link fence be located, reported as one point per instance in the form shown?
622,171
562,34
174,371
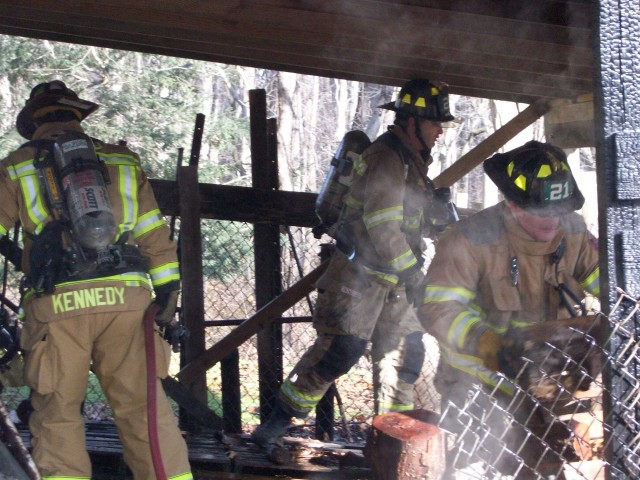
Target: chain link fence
555,425
229,295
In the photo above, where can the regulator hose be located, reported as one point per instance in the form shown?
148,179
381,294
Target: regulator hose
152,392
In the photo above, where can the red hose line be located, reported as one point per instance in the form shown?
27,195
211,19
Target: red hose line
152,398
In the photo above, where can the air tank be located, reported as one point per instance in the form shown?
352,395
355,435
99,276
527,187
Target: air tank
338,180
85,190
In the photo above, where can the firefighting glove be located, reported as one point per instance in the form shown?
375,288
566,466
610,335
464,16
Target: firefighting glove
414,288
167,301
488,347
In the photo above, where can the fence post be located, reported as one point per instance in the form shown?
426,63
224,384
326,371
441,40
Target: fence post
268,271
190,245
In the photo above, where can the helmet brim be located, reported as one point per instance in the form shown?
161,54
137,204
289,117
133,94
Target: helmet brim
24,121
446,121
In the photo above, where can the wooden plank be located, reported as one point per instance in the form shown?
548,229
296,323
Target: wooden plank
481,152
300,44
316,28
351,65
249,327
495,77
570,122
243,204
477,54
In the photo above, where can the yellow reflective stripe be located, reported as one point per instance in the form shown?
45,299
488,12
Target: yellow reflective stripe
182,476
404,261
34,201
128,190
64,477
389,214
131,279
3,231
165,273
118,158
147,222
135,277
474,367
21,169
26,173
395,407
295,396
360,165
388,277
352,202
520,324
592,283
412,222
461,326
439,293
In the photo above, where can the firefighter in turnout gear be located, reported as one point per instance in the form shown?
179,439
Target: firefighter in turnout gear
367,291
507,267
89,281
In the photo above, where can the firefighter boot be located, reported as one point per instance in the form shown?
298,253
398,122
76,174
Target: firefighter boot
270,432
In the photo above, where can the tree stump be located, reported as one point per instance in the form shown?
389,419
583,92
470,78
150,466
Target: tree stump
406,445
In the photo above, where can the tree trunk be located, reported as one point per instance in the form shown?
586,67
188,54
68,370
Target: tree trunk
406,445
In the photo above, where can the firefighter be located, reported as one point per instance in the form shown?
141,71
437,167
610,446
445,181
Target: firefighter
366,293
502,269
84,306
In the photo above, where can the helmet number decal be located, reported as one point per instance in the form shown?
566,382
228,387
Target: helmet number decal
557,191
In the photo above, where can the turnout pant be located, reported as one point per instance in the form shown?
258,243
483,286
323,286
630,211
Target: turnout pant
59,356
352,310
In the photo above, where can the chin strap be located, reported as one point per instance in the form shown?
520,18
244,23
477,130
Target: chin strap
425,151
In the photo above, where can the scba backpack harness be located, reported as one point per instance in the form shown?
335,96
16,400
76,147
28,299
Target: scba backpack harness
80,241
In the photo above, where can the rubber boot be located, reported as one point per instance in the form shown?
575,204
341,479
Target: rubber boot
271,431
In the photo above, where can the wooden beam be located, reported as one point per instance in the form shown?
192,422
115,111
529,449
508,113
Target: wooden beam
243,204
477,50
570,122
250,327
499,138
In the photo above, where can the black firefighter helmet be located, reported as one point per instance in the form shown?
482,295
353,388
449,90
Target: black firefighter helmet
50,101
421,98
536,177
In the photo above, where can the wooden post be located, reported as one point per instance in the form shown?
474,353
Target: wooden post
264,173
231,394
192,287
406,445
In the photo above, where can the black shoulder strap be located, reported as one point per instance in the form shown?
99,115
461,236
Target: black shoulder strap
44,151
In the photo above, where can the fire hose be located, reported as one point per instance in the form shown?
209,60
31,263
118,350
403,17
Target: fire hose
152,391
